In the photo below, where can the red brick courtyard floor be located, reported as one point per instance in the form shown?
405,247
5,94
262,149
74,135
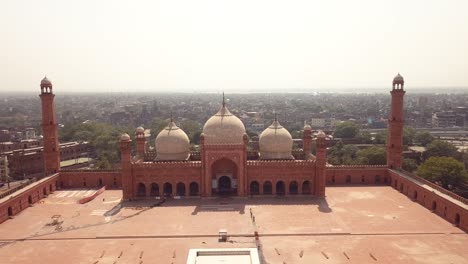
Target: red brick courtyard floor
352,225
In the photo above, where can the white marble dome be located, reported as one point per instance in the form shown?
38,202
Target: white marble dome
275,142
223,128
172,144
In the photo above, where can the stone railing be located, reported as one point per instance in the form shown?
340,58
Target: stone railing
433,185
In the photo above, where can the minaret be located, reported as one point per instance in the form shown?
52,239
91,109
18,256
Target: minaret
320,164
307,141
140,142
395,124
49,129
125,161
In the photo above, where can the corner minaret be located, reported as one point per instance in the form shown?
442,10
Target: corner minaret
49,129
320,164
395,124
126,162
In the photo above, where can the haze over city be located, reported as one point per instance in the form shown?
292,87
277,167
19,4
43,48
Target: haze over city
233,46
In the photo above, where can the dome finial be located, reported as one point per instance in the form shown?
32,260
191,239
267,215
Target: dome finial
224,100
276,117
171,117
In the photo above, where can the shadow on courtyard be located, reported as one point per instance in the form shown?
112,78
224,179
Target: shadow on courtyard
222,204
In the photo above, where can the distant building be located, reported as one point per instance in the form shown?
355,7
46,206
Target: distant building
5,136
30,162
448,119
30,133
4,168
323,122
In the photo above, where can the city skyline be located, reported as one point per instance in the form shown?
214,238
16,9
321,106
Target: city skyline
211,46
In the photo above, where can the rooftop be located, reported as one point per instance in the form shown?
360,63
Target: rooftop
352,225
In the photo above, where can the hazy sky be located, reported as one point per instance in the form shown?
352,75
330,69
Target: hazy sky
242,46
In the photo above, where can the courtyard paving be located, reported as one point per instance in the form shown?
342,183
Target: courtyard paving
351,225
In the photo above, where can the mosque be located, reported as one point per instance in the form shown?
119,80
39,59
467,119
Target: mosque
225,166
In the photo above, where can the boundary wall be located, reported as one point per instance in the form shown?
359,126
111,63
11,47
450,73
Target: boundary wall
111,179
445,204
16,202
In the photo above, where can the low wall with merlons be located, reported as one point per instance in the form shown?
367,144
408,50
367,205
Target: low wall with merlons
442,202
13,204
111,179
367,175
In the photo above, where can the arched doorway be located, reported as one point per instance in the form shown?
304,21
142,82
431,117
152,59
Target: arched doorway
30,201
99,182
44,191
141,190
254,188
193,189
180,189
457,219
224,185
224,177
154,189
306,187
434,205
267,188
348,178
10,211
50,187
415,195
293,188
280,188
377,178
167,189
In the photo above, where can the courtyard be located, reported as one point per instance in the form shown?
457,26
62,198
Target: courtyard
360,224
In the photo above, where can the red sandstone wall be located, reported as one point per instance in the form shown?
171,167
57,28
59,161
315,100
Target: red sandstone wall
90,179
287,172
17,202
179,175
441,206
368,175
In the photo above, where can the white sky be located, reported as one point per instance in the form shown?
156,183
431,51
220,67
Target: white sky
239,45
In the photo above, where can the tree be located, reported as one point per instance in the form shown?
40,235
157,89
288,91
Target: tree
365,137
342,154
408,135
372,156
380,138
446,171
103,163
409,165
424,138
346,130
438,148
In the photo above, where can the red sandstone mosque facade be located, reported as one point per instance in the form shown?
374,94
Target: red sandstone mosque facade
225,166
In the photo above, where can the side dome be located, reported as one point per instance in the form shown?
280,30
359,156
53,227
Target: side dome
275,142
223,128
172,144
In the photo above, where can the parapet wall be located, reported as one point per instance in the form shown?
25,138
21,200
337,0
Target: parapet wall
368,175
446,204
16,202
111,179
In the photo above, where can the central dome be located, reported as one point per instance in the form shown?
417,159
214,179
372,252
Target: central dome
275,142
223,128
172,144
